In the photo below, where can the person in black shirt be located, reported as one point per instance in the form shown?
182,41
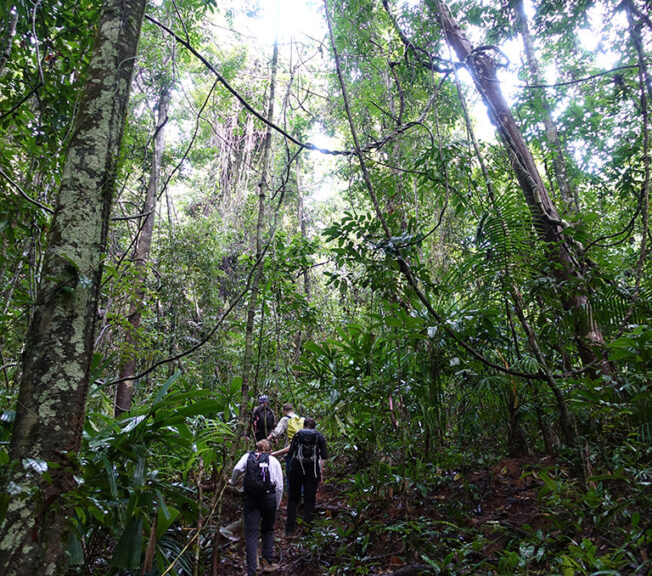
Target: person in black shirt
263,419
307,450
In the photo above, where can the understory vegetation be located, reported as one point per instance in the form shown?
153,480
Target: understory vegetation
309,203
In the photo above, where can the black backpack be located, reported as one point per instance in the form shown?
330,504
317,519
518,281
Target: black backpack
307,453
264,420
257,479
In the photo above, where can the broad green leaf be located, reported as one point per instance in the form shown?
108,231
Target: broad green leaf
127,551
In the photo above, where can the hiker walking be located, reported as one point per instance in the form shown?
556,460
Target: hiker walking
289,424
263,490
263,419
307,450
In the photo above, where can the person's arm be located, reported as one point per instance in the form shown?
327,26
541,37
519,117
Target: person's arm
323,451
239,469
280,429
276,476
281,452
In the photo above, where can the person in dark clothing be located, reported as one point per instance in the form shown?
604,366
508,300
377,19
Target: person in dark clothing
263,419
263,490
307,450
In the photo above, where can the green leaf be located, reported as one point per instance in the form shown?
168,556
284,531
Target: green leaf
314,348
133,422
164,389
75,551
236,384
111,477
127,552
139,472
70,261
165,519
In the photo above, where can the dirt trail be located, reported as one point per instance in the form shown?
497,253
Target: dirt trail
504,495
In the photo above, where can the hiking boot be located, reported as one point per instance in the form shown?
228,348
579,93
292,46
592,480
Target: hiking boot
268,566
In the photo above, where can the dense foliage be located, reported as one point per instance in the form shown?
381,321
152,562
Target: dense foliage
408,297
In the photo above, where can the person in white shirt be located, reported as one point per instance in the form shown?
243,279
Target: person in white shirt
288,425
263,490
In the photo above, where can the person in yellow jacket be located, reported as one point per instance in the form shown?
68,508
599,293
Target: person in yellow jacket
288,425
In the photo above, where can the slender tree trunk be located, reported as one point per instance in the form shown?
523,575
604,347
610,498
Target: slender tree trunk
125,390
301,335
565,420
243,416
252,306
8,36
547,222
636,20
566,190
57,361
303,229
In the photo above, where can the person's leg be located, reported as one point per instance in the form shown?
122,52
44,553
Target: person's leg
268,513
287,473
294,495
310,484
252,523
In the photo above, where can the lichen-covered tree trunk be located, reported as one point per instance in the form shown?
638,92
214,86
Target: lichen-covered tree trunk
125,390
58,350
589,338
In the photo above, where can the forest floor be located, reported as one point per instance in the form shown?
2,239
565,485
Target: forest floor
383,531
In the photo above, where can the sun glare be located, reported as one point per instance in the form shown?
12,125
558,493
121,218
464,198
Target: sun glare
291,18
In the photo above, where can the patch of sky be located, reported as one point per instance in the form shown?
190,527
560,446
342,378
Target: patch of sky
292,19
324,185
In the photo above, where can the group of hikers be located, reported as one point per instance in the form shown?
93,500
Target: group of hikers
304,452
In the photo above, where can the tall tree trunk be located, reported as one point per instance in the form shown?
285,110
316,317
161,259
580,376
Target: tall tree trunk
588,335
57,361
243,416
125,390
252,306
513,290
566,190
303,229
302,336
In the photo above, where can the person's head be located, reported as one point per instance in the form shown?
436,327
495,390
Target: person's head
263,446
309,422
287,408
263,400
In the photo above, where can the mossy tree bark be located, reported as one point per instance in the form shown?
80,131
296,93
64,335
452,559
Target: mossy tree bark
58,352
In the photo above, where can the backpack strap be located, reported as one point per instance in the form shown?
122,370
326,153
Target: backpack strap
302,436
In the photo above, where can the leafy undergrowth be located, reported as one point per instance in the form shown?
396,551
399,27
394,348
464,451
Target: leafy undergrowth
517,516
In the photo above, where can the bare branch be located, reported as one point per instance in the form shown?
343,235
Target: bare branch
24,194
